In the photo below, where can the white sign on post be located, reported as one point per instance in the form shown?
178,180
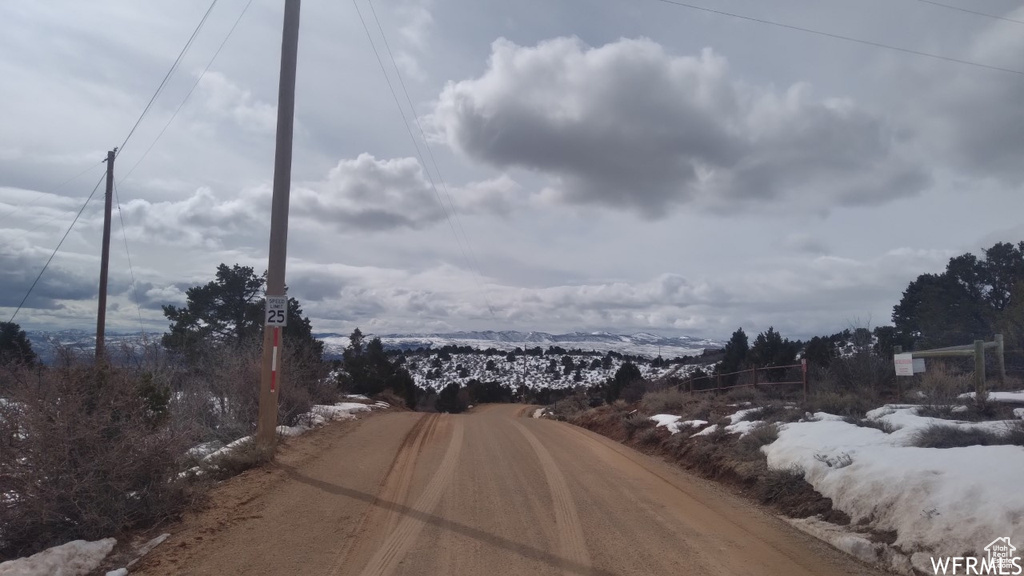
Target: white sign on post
904,364
277,311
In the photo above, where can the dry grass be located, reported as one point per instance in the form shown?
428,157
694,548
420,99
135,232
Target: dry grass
940,436
668,401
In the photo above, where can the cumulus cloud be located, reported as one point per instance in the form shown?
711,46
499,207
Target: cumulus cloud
363,194
369,194
629,125
202,220
229,100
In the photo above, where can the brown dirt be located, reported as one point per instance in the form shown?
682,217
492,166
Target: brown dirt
487,492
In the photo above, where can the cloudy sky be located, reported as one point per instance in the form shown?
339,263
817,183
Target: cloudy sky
625,165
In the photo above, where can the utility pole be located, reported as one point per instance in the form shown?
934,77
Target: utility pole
101,316
277,301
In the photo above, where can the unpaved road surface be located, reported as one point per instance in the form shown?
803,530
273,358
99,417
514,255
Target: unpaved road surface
492,492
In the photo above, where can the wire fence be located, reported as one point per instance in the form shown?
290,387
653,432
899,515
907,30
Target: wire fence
768,377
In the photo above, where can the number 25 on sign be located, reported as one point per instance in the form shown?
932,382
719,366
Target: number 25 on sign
277,311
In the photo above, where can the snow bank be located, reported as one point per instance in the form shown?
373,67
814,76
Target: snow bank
1015,397
939,501
75,558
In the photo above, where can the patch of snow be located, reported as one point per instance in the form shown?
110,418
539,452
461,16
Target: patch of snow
1018,412
538,412
940,501
707,431
823,416
742,428
907,424
740,415
75,558
118,572
675,424
1015,397
205,449
856,545
357,397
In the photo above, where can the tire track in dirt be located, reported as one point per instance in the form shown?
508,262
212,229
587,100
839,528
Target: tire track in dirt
398,541
571,541
394,488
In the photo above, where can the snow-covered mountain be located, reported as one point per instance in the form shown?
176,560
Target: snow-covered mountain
642,343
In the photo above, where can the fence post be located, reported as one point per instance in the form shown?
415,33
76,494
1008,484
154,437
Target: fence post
718,384
755,377
803,371
979,371
1000,360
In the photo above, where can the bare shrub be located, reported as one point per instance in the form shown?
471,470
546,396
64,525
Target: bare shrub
868,423
87,452
778,485
841,404
635,422
940,436
218,394
942,386
862,373
648,436
664,401
749,446
391,398
569,407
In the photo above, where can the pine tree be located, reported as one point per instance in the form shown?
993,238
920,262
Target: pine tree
15,347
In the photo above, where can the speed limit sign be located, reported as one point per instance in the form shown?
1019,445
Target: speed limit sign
277,311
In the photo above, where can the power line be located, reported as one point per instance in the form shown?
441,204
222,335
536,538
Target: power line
976,13
131,270
59,244
474,262
841,37
191,90
416,146
167,76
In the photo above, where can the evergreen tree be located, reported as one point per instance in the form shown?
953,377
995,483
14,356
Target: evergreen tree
771,349
735,356
448,400
15,347
228,311
624,376
819,351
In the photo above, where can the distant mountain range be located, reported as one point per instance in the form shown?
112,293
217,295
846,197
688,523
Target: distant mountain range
45,342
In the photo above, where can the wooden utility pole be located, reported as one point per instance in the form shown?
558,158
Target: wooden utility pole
277,301
101,316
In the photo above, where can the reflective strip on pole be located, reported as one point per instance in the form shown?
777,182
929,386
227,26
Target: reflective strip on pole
273,361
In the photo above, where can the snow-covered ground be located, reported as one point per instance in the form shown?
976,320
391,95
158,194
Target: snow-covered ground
529,370
74,558
940,502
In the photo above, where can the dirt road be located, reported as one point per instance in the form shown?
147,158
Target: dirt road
491,492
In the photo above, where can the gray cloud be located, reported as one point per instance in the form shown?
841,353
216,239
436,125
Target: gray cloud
629,125
971,118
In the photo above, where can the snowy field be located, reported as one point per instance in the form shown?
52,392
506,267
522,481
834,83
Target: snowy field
940,502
